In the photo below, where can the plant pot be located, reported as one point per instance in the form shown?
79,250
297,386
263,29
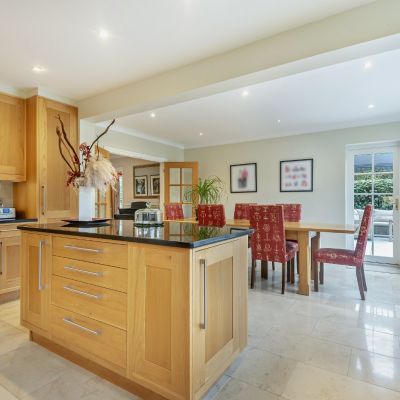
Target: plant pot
87,203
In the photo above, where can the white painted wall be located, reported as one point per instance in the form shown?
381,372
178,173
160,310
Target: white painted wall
327,203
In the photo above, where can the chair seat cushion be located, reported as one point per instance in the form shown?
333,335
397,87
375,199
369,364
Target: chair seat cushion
336,256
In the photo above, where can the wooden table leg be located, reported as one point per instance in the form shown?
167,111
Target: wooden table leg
264,269
305,263
315,245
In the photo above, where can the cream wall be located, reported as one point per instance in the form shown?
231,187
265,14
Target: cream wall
327,203
126,164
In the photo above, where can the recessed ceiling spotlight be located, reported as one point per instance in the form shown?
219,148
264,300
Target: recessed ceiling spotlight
367,64
371,106
38,69
153,115
201,133
278,121
103,34
245,93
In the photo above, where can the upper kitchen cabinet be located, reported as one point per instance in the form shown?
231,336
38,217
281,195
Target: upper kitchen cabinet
12,138
45,194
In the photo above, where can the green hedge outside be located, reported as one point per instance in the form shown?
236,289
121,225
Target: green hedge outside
383,184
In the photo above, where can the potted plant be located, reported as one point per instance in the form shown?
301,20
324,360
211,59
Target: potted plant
206,191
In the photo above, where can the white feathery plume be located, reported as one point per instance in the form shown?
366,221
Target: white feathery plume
100,173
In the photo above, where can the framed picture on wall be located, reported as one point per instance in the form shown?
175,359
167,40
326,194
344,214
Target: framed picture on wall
140,189
243,178
296,175
154,185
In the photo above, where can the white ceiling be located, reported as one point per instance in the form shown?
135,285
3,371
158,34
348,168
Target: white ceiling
146,37
333,97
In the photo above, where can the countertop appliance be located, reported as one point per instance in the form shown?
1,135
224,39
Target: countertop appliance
7,213
148,216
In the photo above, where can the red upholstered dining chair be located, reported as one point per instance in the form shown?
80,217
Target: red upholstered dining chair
291,212
268,242
211,215
242,210
353,258
174,211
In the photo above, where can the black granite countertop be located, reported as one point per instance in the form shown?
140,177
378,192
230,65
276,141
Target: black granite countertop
174,234
17,220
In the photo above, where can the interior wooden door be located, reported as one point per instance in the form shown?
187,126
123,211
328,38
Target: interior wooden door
35,280
57,200
105,201
179,177
12,138
216,336
10,263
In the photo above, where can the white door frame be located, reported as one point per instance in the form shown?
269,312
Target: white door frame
366,149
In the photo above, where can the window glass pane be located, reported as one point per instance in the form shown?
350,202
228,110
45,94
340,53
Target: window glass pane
175,229
383,162
187,176
186,194
382,202
187,210
174,194
363,183
383,183
175,176
360,201
362,163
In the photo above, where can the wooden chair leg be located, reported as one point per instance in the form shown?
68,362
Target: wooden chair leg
316,277
360,283
292,274
283,278
253,273
363,276
264,269
288,270
321,273
273,266
297,262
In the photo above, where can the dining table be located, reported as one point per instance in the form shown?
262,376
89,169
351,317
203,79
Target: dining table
306,234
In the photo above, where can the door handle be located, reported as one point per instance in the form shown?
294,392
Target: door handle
44,201
40,265
203,263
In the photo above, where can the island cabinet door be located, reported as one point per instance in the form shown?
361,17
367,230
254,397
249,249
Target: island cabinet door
215,312
35,281
158,319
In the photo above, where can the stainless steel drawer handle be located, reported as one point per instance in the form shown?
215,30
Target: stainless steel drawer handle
40,265
71,247
203,325
82,293
82,271
83,328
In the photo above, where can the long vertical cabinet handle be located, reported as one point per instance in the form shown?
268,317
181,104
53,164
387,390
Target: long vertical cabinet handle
40,265
1,258
44,200
203,263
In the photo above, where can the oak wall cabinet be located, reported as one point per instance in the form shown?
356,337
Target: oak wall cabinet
45,195
12,138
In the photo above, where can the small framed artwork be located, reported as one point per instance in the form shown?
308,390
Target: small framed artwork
140,186
244,178
296,175
154,185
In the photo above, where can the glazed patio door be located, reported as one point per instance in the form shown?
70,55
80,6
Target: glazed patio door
179,177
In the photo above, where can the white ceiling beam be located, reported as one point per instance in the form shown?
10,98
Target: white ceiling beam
360,32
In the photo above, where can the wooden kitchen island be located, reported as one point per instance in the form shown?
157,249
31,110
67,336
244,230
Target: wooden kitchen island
160,311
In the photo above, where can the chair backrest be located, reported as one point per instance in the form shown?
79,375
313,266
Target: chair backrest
291,212
362,239
211,215
268,242
174,211
242,210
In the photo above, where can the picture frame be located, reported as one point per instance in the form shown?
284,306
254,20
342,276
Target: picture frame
145,171
243,178
154,185
297,175
140,187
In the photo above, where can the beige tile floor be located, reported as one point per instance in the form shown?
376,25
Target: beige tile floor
329,346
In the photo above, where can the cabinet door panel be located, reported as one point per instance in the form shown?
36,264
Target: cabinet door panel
35,279
158,319
12,136
10,263
57,200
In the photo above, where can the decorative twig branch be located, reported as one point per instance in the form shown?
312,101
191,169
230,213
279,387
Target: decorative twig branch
65,137
102,134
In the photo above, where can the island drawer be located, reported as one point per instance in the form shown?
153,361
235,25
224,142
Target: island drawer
88,337
91,250
105,305
95,274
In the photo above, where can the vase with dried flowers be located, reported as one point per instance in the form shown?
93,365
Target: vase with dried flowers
88,170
